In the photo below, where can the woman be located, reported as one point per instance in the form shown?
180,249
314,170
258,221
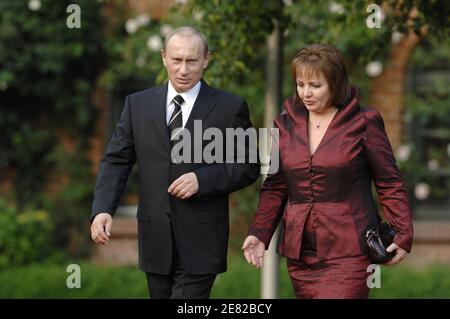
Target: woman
330,150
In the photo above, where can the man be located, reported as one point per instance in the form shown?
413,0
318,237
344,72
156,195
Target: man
183,207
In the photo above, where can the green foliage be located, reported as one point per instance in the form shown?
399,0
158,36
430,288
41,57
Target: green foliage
70,206
24,237
429,100
238,49
49,281
428,122
339,23
240,281
433,14
404,282
48,74
133,46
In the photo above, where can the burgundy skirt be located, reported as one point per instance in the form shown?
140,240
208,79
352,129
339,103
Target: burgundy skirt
330,279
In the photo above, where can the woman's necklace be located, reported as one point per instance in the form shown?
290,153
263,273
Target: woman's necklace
326,118
318,124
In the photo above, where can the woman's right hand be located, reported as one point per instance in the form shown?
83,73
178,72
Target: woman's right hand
254,251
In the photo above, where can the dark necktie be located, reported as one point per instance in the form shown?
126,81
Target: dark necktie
176,119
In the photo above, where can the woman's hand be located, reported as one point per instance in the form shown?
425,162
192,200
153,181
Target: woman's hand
254,251
400,254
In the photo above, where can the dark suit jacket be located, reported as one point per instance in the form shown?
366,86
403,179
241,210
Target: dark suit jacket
200,224
333,185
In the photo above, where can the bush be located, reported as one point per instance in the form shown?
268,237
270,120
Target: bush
48,77
49,281
24,237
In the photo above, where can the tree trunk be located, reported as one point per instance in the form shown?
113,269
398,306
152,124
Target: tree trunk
388,90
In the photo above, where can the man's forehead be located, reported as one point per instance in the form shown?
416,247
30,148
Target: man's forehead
184,41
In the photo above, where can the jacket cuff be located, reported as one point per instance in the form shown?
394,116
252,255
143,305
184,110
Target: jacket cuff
264,235
201,181
93,215
403,241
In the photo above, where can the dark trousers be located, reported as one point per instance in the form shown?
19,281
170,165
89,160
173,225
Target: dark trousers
178,284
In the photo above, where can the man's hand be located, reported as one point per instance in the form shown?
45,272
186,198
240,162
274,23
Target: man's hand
400,254
101,228
254,251
184,186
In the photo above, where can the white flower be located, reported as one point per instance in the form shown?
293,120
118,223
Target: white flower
336,8
140,62
422,191
433,165
131,26
154,43
3,85
198,15
142,20
288,3
181,1
374,68
307,21
165,29
34,5
403,152
396,37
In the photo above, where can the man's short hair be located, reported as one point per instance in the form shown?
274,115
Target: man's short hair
187,31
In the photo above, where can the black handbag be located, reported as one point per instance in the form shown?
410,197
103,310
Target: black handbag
378,240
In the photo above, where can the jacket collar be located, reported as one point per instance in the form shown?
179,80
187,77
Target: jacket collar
300,115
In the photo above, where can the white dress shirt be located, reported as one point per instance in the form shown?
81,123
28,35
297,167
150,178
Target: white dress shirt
189,99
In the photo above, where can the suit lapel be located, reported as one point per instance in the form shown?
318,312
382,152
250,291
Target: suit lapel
159,115
204,103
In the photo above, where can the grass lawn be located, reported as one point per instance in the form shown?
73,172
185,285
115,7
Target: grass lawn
240,281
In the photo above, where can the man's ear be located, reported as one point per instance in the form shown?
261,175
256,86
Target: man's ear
163,56
208,58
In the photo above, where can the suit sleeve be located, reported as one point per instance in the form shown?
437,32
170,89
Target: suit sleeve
272,198
115,166
222,178
388,181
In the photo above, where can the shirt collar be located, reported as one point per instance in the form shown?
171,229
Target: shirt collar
188,96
